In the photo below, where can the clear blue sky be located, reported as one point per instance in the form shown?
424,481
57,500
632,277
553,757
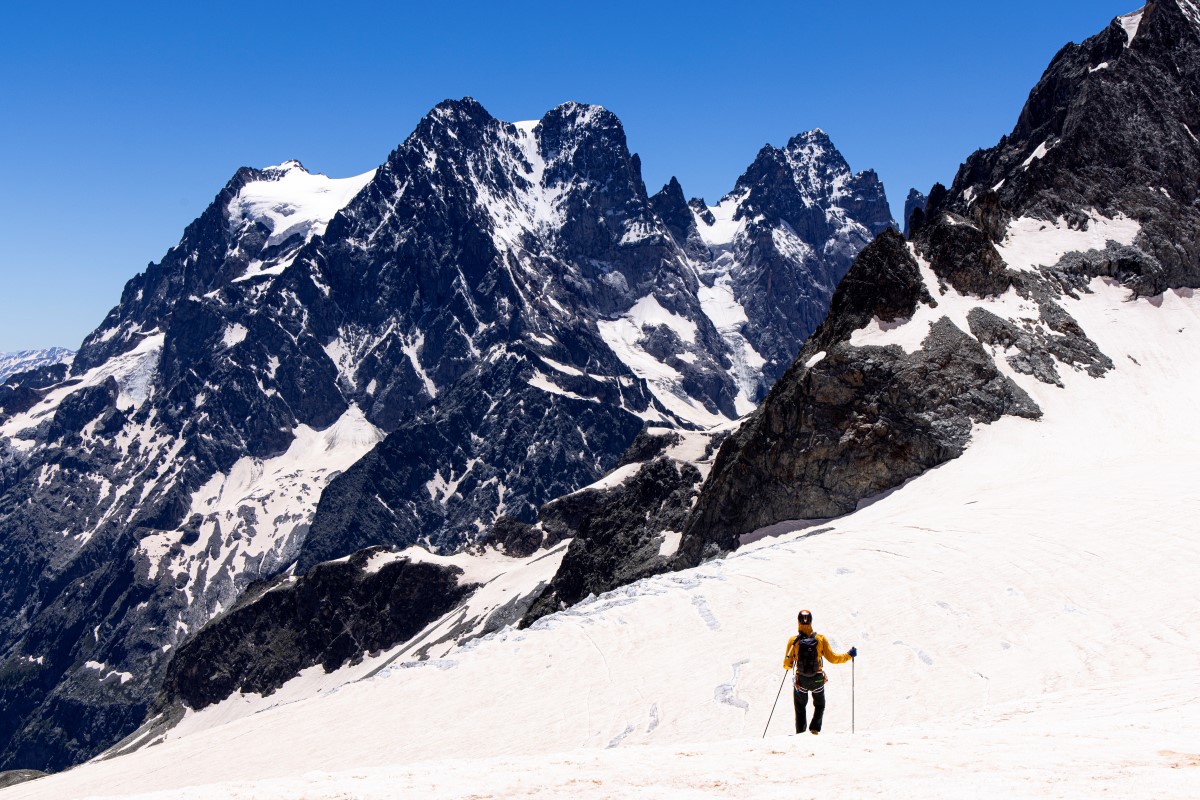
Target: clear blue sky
120,121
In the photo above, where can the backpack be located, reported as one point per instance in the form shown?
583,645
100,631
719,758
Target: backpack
806,655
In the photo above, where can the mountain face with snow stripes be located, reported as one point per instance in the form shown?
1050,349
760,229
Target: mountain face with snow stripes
482,324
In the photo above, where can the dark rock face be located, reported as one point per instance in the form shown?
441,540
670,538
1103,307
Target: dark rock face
23,390
484,420
672,208
962,256
884,283
332,616
618,533
1114,121
856,423
515,538
914,202
647,445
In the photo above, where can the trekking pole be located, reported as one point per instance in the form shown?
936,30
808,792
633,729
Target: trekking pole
852,660
785,674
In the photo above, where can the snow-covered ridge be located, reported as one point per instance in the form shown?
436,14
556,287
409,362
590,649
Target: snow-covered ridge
25,360
292,202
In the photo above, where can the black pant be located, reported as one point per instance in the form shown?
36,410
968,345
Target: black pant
800,700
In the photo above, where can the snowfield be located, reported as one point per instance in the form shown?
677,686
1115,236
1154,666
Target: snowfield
1026,617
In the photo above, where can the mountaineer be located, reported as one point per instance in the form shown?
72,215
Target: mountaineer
805,652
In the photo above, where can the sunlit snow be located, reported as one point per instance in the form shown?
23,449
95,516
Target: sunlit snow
291,202
1131,23
1031,243
625,335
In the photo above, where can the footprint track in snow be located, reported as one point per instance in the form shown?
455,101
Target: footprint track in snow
724,693
921,654
706,613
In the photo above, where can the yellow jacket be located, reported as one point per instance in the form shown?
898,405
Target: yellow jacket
823,651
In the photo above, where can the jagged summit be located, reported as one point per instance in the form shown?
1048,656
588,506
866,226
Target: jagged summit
1108,127
284,168
801,203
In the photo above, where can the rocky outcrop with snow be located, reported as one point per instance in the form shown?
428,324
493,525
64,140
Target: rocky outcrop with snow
334,615
1097,182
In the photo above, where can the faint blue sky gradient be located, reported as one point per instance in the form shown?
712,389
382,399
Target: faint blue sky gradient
120,122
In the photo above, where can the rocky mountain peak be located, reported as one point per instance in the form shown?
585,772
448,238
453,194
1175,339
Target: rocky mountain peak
809,172
914,202
1108,132
280,170
814,149
465,112
673,209
583,143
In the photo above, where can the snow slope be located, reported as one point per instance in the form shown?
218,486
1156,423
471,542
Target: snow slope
1026,619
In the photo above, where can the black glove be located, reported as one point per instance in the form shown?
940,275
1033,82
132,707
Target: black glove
853,652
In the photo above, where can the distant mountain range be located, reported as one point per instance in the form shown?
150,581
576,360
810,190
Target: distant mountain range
26,360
